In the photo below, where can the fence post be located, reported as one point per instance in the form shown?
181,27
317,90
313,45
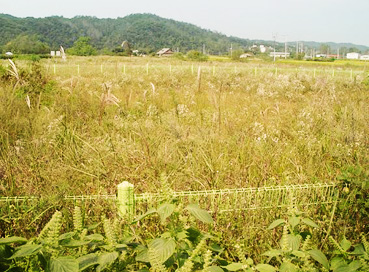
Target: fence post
126,200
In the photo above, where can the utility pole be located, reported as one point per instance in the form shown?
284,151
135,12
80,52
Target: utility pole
285,46
231,50
274,37
297,49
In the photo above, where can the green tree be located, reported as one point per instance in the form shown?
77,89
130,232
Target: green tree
25,44
354,49
82,47
325,48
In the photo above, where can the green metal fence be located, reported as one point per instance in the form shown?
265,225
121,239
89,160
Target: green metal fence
130,204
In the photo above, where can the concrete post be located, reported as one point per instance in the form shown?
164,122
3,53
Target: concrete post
126,200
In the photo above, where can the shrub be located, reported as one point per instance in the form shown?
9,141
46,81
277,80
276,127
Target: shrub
196,56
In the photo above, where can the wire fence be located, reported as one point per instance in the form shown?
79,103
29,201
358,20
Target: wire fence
66,69
216,201
241,213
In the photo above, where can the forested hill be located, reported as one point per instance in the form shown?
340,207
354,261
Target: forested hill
143,31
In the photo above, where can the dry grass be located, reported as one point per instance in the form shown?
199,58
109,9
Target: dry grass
236,129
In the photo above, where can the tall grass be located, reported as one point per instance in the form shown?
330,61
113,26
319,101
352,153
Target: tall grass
84,134
241,129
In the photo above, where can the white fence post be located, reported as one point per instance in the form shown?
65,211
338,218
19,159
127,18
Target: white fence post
126,199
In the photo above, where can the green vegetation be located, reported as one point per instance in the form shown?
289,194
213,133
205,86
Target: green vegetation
177,245
82,126
145,32
24,44
196,56
82,47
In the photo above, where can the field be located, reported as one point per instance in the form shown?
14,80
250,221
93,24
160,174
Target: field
83,126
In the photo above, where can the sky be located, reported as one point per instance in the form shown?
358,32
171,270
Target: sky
287,20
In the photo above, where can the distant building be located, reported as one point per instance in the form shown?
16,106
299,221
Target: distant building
246,55
165,52
279,54
333,56
262,48
353,55
319,55
8,54
364,57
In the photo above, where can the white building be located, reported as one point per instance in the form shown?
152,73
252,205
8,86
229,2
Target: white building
364,57
353,55
262,48
279,54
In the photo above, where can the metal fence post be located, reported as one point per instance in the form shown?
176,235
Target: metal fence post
126,199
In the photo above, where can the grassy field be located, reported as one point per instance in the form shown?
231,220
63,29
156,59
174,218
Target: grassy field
83,126
232,125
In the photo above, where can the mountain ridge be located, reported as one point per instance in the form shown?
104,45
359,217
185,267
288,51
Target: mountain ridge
144,31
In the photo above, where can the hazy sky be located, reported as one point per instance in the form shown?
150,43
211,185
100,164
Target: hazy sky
308,20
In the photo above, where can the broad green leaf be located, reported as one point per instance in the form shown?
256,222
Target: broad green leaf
272,253
142,254
200,214
165,210
13,239
93,226
151,211
342,268
318,256
94,237
265,268
345,244
234,266
337,262
64,264
309,222
213,269
276,223
66,236
121,247
294,241
182,235
26,250
287,267
75,243
106,259
294,221
216,248
87,261
298,253
355,265
358,250
161,249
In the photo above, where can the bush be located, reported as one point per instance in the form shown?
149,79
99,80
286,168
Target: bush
197,56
